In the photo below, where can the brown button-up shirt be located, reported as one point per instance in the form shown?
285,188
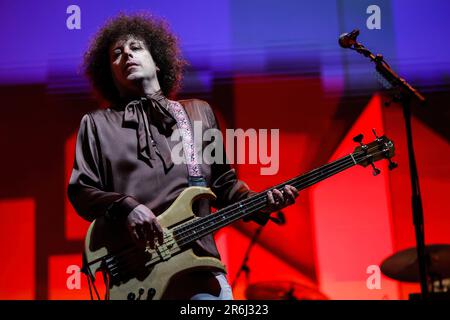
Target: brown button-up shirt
110,175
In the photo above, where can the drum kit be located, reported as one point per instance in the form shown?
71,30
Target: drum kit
402,266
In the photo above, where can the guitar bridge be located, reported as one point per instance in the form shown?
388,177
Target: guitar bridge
163,252
165,249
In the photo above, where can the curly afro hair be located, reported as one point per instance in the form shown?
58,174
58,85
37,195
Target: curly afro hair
161,43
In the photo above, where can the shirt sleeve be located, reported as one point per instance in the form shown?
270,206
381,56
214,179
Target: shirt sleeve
225,183
86,190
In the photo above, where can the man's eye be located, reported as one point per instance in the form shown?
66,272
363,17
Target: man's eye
135,47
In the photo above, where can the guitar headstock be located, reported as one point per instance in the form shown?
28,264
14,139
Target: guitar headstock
379,149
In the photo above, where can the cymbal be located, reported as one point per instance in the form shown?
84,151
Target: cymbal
282,290
404,266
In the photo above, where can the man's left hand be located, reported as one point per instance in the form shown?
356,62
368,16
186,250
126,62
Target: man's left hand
277,200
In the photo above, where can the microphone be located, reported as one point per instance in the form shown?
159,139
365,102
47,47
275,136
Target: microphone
346,40
280,219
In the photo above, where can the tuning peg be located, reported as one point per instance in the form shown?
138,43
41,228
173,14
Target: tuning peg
358,138
375,133
375,171
392,165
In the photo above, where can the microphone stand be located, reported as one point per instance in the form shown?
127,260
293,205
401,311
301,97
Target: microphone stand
244,266
404,94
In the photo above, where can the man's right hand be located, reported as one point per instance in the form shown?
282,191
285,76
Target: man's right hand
143,226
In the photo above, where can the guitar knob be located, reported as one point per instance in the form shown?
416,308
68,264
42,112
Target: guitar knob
141,292
151,293
131,296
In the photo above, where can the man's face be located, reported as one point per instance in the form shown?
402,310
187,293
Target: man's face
131,63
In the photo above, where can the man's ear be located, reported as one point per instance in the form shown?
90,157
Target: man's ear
157,69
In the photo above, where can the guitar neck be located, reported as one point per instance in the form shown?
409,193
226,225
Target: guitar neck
193,231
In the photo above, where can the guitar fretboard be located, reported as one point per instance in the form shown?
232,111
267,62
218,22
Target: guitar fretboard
193,231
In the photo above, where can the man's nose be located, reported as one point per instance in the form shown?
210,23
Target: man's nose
128,52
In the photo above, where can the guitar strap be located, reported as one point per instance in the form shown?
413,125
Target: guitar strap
191,155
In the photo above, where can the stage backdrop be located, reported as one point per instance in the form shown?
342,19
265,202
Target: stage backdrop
261,65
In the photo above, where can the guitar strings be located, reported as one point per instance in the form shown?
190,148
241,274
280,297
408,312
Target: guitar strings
291,181
235,205
254,203
257,197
